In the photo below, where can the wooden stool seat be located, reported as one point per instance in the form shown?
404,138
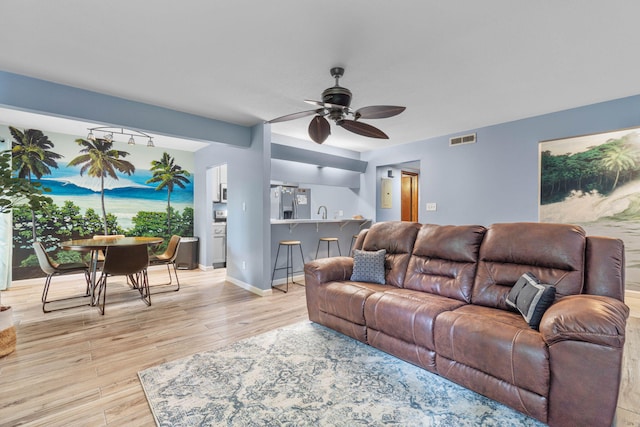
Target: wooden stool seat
289,242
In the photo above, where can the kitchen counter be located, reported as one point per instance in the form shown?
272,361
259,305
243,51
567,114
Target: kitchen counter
308,232
318,220
293,223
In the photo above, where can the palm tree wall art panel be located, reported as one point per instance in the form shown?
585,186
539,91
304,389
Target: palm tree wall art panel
594,181
97,187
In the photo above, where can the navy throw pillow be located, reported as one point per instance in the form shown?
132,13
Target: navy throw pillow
368,266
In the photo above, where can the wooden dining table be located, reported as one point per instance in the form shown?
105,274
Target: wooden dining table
97,244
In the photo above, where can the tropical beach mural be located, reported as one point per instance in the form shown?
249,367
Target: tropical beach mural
145,191
594,181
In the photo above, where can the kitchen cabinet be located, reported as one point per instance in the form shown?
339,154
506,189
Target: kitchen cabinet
218,179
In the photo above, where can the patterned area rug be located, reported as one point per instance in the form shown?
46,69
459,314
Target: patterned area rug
308,375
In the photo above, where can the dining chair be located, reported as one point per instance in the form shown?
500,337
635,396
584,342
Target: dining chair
130,261
168,258
52,268
108,237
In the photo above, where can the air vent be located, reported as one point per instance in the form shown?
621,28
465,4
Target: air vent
463,139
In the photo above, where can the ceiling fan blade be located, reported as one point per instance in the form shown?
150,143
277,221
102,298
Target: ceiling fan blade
293,116
362,129
326,104
319,129
378,111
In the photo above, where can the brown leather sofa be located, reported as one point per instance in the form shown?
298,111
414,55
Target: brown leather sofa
443,307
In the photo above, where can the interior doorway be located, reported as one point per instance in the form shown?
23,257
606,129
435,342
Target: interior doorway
409,196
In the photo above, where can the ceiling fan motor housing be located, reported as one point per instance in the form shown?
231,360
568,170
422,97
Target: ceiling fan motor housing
337,95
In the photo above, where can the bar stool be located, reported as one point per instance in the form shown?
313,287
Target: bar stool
353,241
328,240
289,244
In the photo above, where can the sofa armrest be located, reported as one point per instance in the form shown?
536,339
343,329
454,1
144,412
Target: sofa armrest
589,318
326,270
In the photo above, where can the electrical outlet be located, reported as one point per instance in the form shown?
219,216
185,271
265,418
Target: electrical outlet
432,206
244,265
340,212
244,206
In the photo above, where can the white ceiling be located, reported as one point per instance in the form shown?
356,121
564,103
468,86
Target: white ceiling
456,65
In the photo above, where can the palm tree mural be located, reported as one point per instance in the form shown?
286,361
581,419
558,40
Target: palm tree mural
619,158
100,160
167,174
32,157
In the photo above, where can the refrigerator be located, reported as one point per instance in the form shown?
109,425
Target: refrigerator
290,202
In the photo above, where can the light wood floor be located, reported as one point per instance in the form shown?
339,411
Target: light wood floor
76,367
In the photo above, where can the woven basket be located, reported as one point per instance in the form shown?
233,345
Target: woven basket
7,331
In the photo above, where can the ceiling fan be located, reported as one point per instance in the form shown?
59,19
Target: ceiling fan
335,104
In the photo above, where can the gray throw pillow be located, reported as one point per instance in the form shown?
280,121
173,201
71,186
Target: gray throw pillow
368,266
531,298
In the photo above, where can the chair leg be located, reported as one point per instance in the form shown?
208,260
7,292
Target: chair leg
45,293
175,273
142,279
101,284
45,290
318,249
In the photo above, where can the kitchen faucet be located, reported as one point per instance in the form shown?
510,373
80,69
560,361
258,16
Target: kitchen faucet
324,214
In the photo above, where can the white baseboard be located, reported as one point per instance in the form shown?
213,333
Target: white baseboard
249,287
283,281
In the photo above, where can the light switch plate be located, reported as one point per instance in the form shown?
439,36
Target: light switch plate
432,206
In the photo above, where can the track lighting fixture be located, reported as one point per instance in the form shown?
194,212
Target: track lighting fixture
109,131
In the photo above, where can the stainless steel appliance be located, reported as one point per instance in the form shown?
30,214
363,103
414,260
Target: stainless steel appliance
290,202
223,193
220,215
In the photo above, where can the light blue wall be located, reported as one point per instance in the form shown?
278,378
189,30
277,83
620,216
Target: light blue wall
248,229
496,179
245,150
29,94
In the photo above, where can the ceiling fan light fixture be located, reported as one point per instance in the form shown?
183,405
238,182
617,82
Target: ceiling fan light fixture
131,140
91,137
109,137
150,143
336,105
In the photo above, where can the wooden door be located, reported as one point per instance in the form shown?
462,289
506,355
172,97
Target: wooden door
409,196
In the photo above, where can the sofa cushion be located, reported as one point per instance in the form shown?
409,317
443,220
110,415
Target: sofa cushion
368,266
407,314
444,260
554,253
397,238
496,342
531,298
346,299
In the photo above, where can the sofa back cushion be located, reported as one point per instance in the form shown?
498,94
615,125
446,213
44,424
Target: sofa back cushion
554,253
444,260
398,239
